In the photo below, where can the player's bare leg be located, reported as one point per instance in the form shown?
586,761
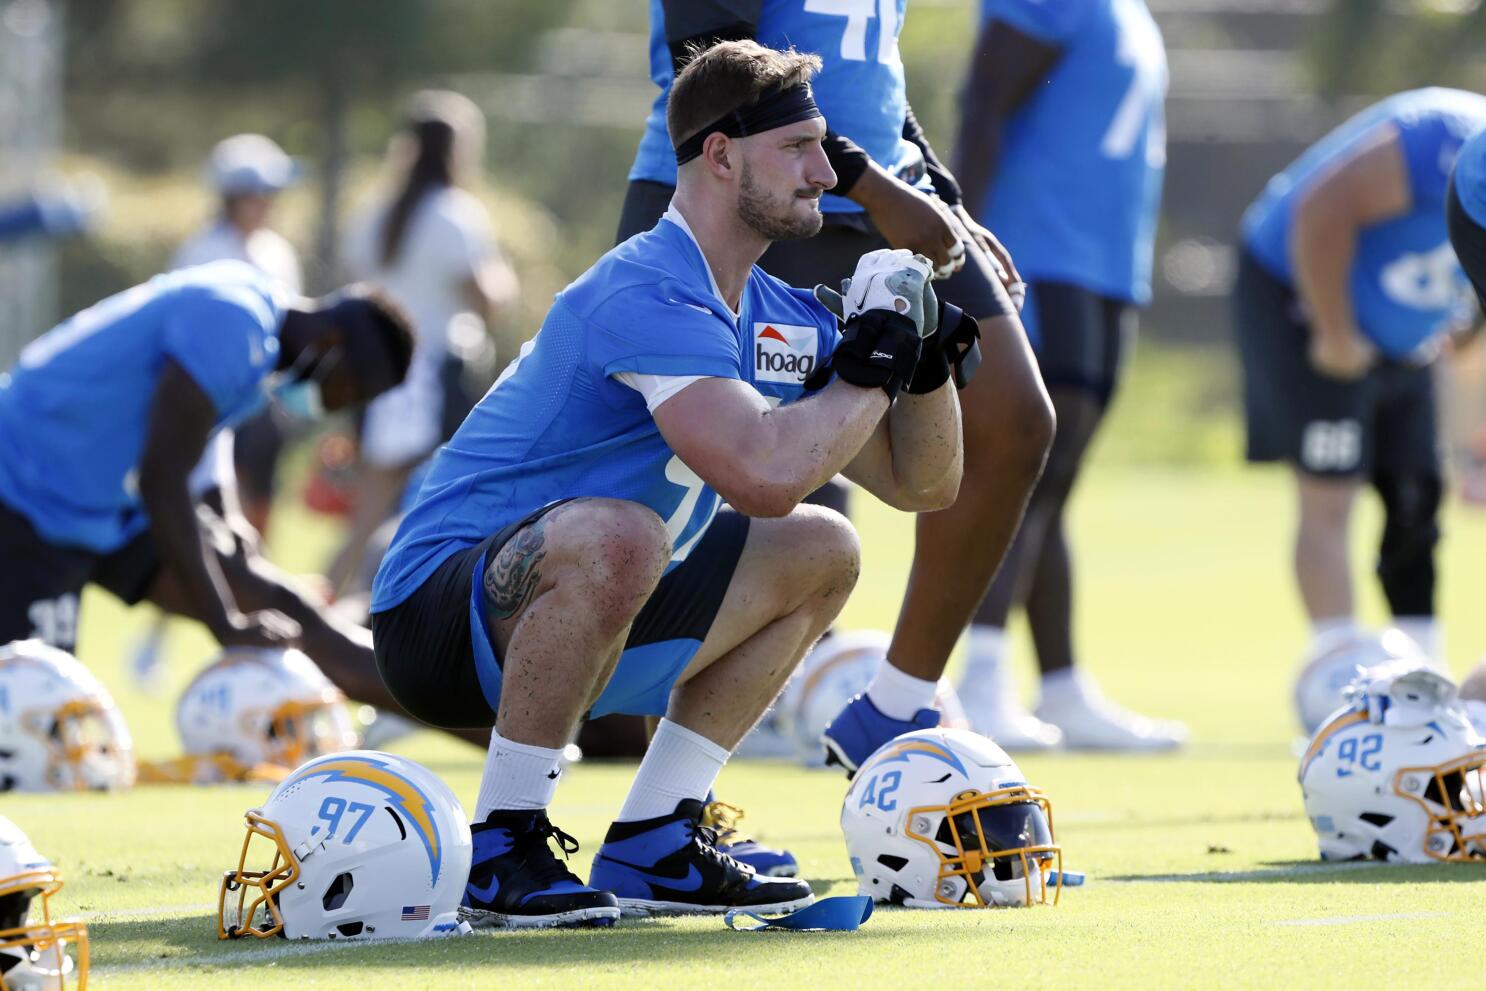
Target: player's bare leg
792,580
1322,568
1008,423
561,595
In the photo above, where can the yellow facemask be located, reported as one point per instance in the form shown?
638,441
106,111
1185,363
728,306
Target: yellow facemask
44,944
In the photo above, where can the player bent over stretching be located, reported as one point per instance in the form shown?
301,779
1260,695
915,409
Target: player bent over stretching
568,553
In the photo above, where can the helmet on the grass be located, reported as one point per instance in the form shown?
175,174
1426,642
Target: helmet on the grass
360,844
1326,672
944,818
39,954
1398,775
59,728
263,706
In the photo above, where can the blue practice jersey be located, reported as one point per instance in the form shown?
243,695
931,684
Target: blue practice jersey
1078,186
1406,283
1470,178
558,424
75,408
860,87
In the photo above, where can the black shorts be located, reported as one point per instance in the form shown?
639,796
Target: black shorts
832,255
1080,338
1468,238
435,652
1384,421
41,583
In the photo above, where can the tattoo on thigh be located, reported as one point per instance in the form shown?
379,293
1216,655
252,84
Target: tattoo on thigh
512,578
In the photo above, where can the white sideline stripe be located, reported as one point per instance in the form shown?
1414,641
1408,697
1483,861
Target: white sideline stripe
1298,870
247,954
1344,920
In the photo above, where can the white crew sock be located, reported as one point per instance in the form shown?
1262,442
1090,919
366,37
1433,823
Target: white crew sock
1064,685
897,694
985,653
517,776
1333,630
678,764
1424,631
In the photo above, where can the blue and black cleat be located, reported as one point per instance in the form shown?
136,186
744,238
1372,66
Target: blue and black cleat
516,882
670,865
860,729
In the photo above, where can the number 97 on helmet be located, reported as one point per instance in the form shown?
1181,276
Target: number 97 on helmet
943,818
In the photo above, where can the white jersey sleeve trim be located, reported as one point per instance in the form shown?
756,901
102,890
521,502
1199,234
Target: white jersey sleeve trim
656,388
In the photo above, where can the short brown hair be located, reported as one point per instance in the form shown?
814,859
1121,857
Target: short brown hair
729,75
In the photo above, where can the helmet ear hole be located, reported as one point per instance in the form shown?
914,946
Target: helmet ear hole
349,928
1376,819
337,893
892,862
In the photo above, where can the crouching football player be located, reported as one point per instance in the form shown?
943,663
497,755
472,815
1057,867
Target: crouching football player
102,420
568,552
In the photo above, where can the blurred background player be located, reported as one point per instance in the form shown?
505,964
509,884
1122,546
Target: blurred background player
891,191
103,418
1346,286
1465,214
246,172
1061,150
427,241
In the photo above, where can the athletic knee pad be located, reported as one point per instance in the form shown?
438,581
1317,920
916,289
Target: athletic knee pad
1411,531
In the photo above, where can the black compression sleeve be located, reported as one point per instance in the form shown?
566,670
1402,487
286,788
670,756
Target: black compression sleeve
847,160
944,183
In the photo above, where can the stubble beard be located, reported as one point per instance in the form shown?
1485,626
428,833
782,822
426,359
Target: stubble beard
769,218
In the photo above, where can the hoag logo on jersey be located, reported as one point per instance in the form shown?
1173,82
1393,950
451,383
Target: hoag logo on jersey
782,353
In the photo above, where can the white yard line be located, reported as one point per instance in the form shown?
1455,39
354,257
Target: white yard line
258,951
1262,874
148,912
1346,920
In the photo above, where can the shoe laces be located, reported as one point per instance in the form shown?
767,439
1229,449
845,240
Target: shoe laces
722,819
706,840
538,855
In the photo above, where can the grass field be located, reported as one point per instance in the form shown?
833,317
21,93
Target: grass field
1201,866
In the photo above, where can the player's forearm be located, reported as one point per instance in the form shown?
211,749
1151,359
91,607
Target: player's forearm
803,445
928,457
1323,246
172,513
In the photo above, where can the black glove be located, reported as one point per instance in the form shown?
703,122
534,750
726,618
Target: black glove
878,350
954,346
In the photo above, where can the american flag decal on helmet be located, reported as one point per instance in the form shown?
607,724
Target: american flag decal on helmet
415,913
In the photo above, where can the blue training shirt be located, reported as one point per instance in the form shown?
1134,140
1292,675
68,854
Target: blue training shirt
75,408
860,87
1078,187
1406,283
1470,177
558,424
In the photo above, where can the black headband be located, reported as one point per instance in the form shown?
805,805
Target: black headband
775,107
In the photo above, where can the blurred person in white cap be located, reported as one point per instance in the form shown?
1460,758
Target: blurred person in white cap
427,241
247,172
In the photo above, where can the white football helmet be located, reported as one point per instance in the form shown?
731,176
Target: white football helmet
838,668
942,818
263,707
38,955
363,845
59,727
1325,673
1398,775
